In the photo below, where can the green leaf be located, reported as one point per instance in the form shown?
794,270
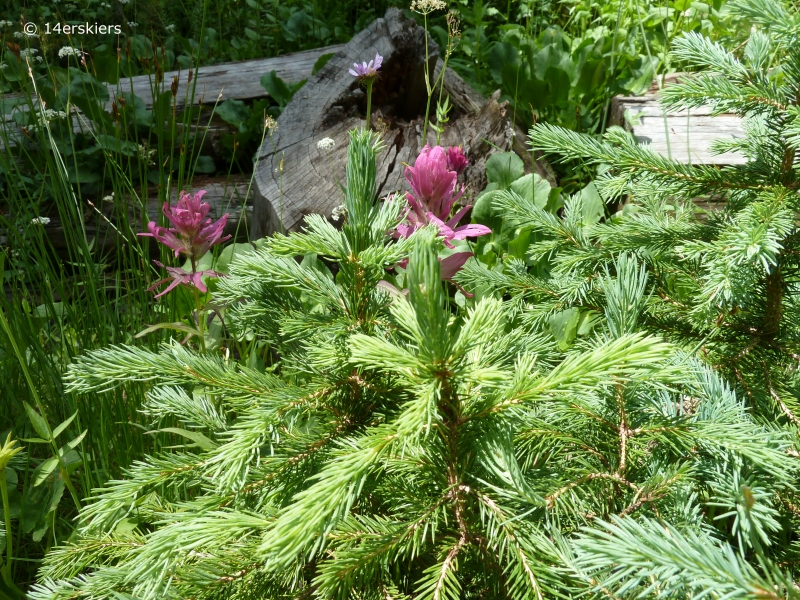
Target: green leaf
594,208
38,421
503,55
64,425
42,472
204,164
198,438
277,88
234,112
321,62
178,326
503,168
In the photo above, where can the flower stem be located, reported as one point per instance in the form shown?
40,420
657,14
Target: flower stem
369,103
427,84
200,315
7,516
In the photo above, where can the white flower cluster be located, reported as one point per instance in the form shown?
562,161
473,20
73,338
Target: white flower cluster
170,28
105,5
124,1
29,53
132,24
109,198
426,7
4,24
40,220
326,144
48,114
69,51
145,154
24,34
339,212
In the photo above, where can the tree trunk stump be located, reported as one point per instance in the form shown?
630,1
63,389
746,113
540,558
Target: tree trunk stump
294,177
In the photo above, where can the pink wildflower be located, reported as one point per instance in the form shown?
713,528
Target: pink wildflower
367,70
178,276
459,233
191,233
434,192
456,161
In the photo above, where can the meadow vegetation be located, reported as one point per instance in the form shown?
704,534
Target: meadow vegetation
587,388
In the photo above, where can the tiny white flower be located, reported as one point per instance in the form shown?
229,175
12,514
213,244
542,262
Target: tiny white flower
132,24
19,35
339,212
124,1
24,34
170,28
146,154
28,52
426,7
69,51
41,220
109,198
4,24
326,143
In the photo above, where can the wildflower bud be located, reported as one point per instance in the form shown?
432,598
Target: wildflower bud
174,87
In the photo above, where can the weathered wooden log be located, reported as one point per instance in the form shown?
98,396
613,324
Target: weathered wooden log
685,136
237,81
225,195
294,177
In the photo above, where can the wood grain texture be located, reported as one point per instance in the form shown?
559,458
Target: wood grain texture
685,136
238,81
295,178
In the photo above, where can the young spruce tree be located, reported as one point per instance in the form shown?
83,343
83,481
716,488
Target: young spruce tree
721,285
402,447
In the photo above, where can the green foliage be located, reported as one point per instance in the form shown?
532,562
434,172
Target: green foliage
400,445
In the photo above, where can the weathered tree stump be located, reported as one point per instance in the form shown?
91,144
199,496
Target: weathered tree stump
295,178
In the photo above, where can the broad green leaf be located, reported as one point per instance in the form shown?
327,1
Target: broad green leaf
42,472
38,421
504,167
234,112
321,62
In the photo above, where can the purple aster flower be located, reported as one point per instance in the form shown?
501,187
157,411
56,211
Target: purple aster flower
367,71
178,276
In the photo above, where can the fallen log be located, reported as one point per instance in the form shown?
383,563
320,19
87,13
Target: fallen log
294,177
237,81
685,136
103,220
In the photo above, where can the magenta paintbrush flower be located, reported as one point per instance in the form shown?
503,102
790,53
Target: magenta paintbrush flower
434,192
456,160
191,233
368,70
178,276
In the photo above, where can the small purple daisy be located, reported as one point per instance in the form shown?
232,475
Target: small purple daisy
367,71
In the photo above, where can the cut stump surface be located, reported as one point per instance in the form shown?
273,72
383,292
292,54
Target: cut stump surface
294,177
